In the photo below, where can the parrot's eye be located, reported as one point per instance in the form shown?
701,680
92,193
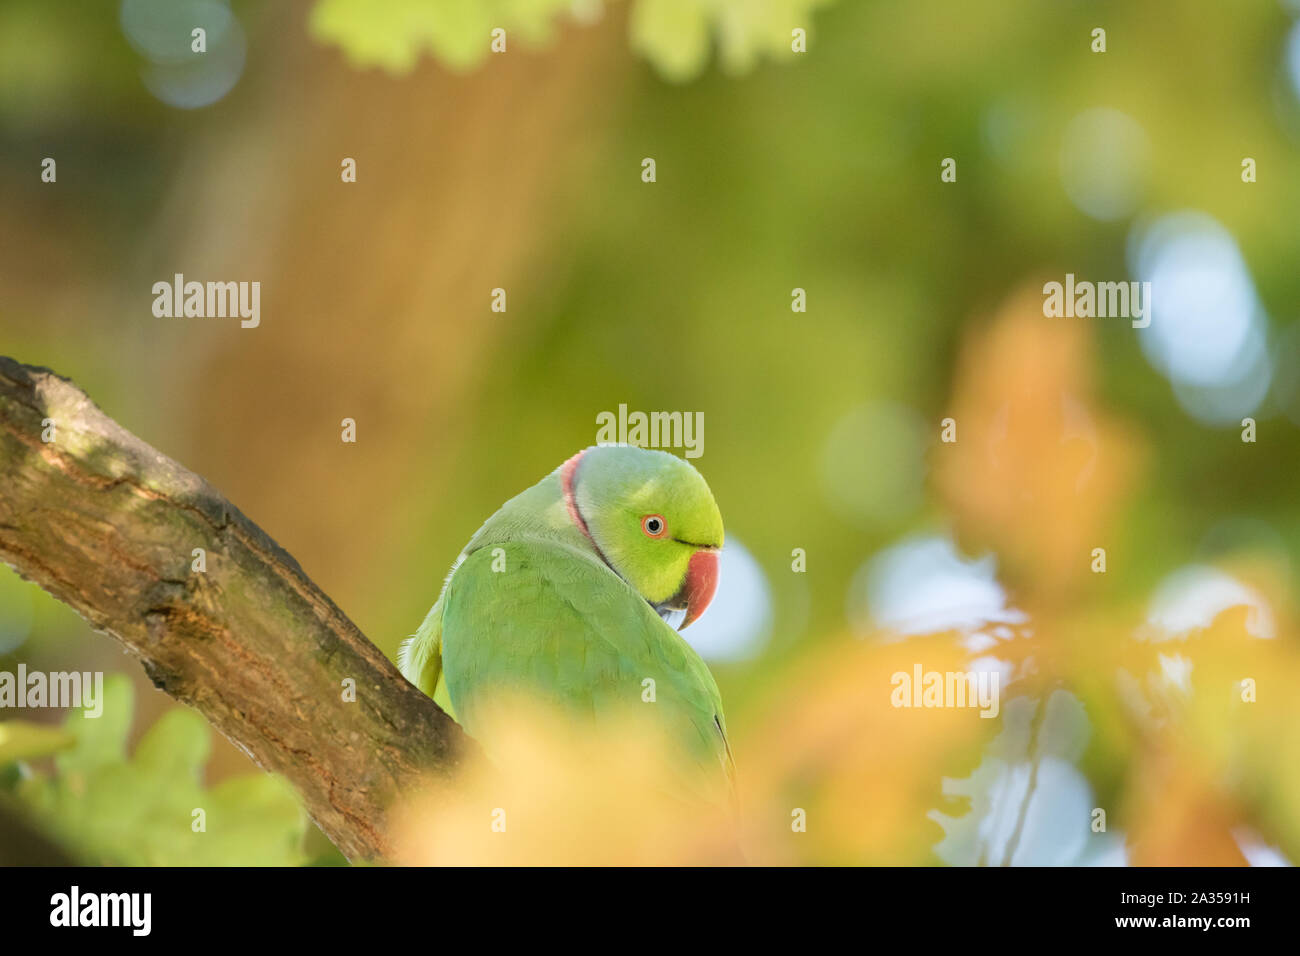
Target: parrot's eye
654,525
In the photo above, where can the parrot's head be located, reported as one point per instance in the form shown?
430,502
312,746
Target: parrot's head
653,520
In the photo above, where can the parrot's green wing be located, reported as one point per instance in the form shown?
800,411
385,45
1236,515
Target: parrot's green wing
554,623
420,656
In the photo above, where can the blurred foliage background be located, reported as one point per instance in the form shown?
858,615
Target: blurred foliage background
776,170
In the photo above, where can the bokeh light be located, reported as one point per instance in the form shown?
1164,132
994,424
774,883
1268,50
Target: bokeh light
922,585
1208,330
1192,597
873,463
162,32
739,619
1030,805
1104,157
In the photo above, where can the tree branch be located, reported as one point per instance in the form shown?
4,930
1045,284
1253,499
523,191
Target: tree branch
108,525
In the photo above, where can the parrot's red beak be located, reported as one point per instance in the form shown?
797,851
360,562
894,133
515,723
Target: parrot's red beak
701,581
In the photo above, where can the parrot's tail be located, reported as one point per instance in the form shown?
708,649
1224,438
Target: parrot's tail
420,656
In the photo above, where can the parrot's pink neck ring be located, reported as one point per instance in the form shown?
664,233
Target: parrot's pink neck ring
568,472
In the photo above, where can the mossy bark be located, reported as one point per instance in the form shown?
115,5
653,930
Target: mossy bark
108,525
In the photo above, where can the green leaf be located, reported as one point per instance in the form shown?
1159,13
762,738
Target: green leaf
394,34
151,809
676,36
177,745
21,740
100,740
671,34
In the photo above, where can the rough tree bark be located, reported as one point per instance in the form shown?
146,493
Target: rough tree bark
108,525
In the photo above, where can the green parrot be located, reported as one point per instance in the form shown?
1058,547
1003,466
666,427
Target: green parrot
566,594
